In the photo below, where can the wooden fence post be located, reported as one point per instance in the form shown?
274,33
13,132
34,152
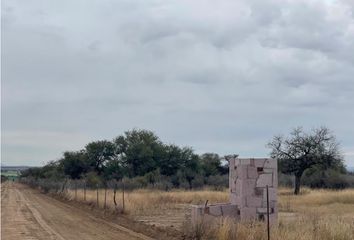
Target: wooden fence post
63,186
105,197
114,194
97,203
123,196
75,190
85,191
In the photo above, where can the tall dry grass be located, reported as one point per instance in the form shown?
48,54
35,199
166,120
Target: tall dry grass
308,227
313,215
145,201
322,201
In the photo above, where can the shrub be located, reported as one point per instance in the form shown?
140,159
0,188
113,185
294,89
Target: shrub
285,180
198,181
330,178
92,179
218,182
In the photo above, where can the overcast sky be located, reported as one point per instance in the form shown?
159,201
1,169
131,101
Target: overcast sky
219,76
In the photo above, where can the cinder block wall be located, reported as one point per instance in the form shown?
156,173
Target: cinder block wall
248,181
248,178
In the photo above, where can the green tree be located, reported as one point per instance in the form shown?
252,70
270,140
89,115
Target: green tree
52,170
139,151
99,153
171,160
191,165
74,164
301,151
316,177
210,163
114,170
34,172
153,176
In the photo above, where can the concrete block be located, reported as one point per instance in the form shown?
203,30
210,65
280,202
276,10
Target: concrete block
272,204
233,187
231,165
275,179
263,217
253,201
245,161
196,213
272,193
245,187
268,170
233,197
248,213
222,209
262,210
238,200
241,172
230,210
264,180
212,212
270,163
252,172
248,178
248,187
232,182
259,162
215,210
238,187
237,162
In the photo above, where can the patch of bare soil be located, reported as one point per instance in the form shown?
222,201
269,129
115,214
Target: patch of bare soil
169,217
138,224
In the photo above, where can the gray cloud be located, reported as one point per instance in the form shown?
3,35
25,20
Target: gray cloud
219,76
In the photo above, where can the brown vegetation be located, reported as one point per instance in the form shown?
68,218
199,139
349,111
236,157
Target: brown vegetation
314,214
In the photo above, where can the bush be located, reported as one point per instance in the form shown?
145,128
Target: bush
198,181
92,179
349,178
219,182
285,180
324,179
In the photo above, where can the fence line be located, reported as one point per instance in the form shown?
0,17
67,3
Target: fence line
80,190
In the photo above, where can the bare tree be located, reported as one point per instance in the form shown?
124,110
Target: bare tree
302,150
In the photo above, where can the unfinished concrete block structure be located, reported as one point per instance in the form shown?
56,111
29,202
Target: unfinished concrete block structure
248,181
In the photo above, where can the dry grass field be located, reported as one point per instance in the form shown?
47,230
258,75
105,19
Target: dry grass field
315,214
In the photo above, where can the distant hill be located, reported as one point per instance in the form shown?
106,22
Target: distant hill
13,168
350,169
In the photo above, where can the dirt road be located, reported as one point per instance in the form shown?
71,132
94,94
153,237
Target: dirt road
28,214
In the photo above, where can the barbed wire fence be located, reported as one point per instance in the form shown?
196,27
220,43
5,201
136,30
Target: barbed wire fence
109,195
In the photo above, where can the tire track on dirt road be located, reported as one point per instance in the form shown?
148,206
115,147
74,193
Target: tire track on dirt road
66,207
27,214
51,232
17,221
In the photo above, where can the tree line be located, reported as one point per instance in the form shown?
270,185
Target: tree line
311,158
136,153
